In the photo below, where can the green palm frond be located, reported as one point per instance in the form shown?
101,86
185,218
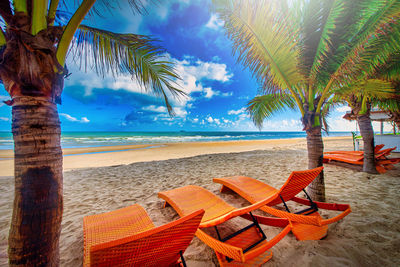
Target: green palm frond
380,51
390,104
390,70
372,88
392,73
334,42
348,62
264,41
263,107
137,6
374,28
114,53
321,18
325,112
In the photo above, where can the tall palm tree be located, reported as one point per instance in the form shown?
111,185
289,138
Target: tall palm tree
361,98
32,68
301,50
368,94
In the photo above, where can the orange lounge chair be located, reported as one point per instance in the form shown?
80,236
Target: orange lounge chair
128,237
360,153
382,162
379,152
246,247
306,224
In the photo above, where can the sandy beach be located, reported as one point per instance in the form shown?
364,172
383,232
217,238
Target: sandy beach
103,179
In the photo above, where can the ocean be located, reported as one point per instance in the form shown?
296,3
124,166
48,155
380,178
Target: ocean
95,139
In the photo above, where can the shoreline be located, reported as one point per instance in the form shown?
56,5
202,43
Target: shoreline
105,156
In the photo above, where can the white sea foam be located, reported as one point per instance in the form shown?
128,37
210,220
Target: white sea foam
89,139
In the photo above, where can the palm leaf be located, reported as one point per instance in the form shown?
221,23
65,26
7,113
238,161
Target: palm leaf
391,72
347,65
372,88
352,65
384,64
114,53
379,51
262,107
390,104
138,6
320,20
264,41
326,111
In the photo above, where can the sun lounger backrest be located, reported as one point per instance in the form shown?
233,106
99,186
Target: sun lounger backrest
297,181
159,246
384,152
378,148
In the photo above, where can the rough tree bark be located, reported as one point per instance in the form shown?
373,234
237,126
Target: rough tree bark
315,148
367,133
32,76
38,203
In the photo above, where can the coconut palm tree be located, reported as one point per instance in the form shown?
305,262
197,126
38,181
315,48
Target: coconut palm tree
33,52
367,94
361,97
301,50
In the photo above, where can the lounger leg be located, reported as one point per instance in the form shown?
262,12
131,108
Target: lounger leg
182,259
255,223
284,203
166,204
313,207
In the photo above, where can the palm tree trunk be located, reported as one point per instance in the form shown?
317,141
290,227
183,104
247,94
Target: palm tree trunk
367,133
315,148
38,203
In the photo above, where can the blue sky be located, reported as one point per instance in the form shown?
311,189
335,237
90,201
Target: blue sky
218,88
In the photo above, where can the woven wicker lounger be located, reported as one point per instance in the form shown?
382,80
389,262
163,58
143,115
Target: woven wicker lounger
248,246
127,237
307,224
382,162
358,153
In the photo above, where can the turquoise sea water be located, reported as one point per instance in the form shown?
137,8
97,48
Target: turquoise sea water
94,139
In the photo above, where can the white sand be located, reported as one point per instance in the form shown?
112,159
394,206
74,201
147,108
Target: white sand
369,236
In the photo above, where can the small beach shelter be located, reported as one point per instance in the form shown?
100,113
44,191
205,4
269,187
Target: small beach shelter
128,237
389,140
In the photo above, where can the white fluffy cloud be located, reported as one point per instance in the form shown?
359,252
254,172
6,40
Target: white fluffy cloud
210,119
236,112
4,119
159,109
340,124
210,93
193,73
73,119
179,112
214,22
